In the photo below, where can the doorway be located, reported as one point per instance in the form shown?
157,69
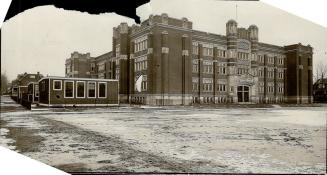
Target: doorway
243,93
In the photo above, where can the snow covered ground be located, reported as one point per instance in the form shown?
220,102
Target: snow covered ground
177,139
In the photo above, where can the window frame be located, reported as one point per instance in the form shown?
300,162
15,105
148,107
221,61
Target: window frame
34,89
105,92
53,86
69,81
95,89
77,89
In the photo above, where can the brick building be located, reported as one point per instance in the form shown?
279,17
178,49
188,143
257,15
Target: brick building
181,66
19,86
84,66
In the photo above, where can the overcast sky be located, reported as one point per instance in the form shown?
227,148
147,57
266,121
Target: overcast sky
40,39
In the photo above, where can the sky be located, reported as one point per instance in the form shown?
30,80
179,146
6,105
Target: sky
42,38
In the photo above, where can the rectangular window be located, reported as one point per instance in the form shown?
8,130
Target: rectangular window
69,89
195,49
118,50
57,86
92,66
102,90
101,67
36,90
195,86
91,90
80,89
195,68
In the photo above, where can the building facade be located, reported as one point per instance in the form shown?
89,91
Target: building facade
84,66
20,84
65,92
181,66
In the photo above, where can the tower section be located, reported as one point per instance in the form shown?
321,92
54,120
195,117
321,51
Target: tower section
231,33
121,56
253,34
299,73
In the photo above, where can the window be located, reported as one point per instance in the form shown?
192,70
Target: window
69,89
207,69
221,87
102,90
140,45
141,63
92,66
57,85
195,86
101,67
80,89
36,90
32,76
260,72
222,68
144,85
207,87
118,50
207,51
195,68
91,90
195,49
207,84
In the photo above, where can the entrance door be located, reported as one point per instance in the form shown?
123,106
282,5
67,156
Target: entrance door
243,93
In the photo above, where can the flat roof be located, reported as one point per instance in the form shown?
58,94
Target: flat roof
73,78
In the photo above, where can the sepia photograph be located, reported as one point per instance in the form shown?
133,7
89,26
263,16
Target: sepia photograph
197,86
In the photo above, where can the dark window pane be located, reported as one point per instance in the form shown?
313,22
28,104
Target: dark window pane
246,96
57,85
102,89
240,96
69,89
36,90
91,89
80,89
246,88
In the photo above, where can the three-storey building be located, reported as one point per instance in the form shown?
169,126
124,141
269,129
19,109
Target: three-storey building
181,66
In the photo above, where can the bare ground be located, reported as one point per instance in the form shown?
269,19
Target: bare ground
167,141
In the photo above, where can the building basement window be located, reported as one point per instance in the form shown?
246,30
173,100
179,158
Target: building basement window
91,90
69,89
102,90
